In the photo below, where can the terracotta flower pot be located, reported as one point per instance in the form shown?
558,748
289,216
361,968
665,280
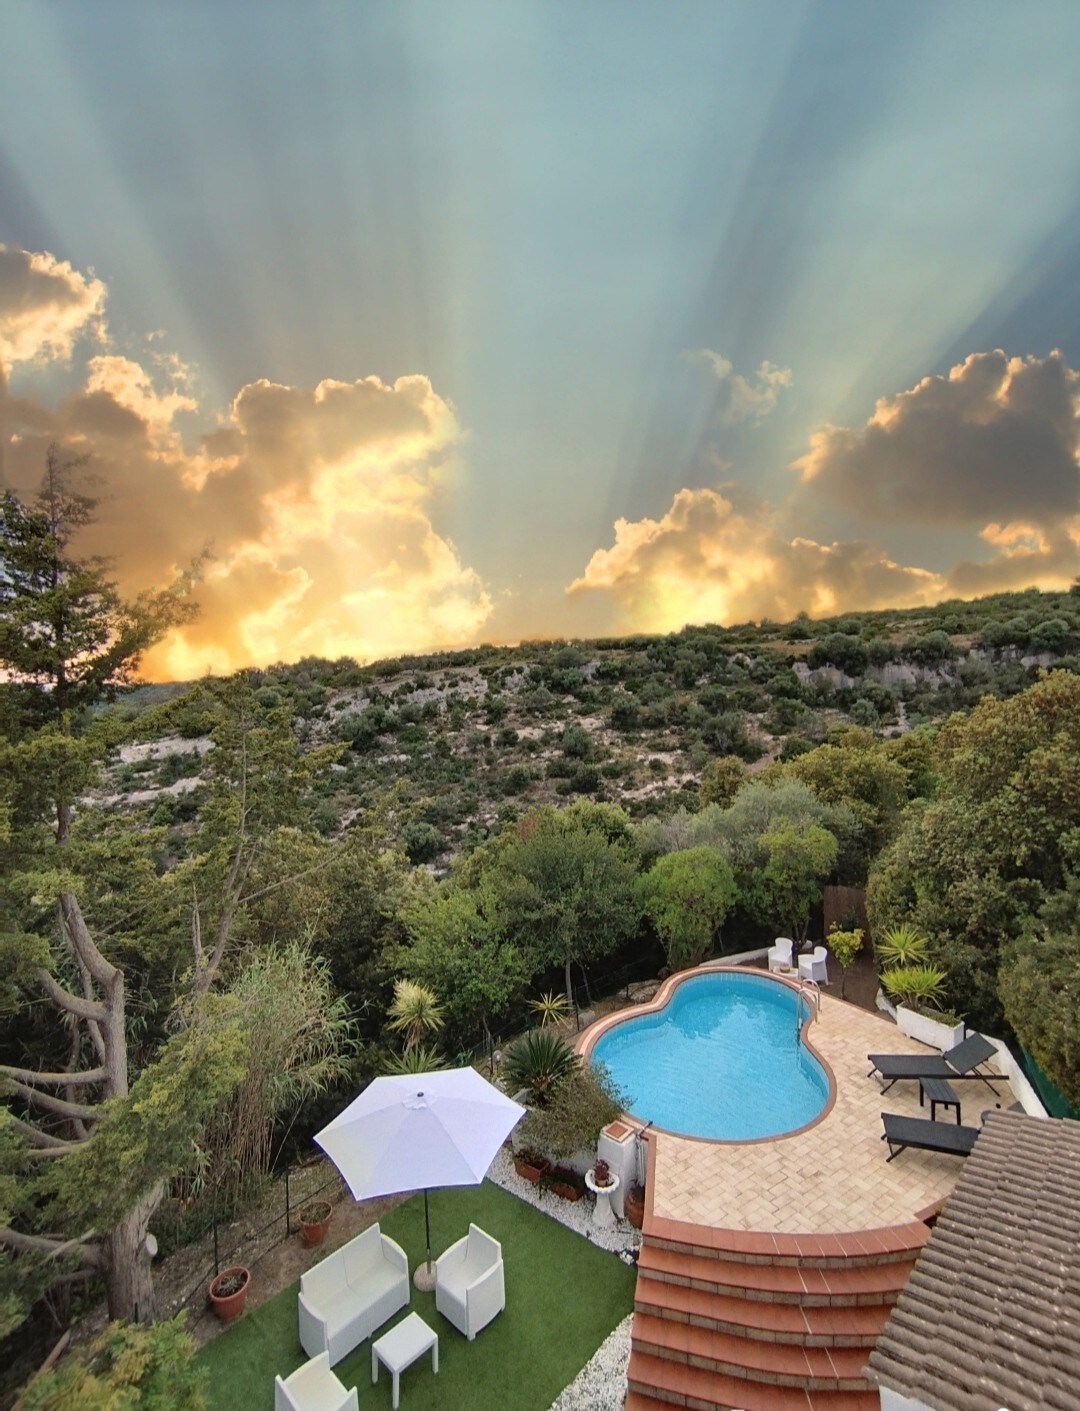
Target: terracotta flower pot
635,1206
228,1292
314,1222
531,1168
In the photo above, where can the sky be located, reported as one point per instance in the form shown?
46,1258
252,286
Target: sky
438,324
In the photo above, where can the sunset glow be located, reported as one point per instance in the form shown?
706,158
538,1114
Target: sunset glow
433,326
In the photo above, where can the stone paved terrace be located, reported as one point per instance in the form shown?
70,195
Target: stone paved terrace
834,1176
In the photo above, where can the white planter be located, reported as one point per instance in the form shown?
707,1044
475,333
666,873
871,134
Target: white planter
927,1030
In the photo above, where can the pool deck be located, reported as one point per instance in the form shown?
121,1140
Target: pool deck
831,1177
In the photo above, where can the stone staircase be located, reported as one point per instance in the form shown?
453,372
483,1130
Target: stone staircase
762,1322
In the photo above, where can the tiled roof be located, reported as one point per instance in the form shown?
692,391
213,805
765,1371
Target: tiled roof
991,1314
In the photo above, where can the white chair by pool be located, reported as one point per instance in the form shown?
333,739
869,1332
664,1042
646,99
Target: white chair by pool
815,966
780,954
314,1387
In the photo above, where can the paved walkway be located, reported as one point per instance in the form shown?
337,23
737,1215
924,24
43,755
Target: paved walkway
833,1177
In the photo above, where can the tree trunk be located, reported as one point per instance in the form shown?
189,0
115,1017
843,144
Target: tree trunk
569,987
129,1283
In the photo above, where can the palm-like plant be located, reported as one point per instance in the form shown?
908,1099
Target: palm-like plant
415,1012
538,1062
915,985
551,1008
421,1058
902,944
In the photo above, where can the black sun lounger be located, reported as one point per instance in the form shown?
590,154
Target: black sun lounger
963,1061
902,1132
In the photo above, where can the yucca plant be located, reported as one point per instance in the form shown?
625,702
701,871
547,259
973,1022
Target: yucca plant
421,1058
901,945
915,986
415,1012
538,1062
550,1008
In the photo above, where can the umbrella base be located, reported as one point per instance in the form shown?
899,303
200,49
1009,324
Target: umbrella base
424,1277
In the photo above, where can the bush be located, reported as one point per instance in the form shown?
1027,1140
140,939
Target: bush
125,1368
422,842
579,1109
847,654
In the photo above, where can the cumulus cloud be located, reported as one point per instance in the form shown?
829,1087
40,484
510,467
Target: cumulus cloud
717,557
316,503
994,441
44,305
744,398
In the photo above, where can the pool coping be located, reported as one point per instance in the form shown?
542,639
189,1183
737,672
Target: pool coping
588,1037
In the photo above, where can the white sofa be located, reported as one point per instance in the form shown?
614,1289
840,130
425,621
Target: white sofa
313,1387
348,1295
470,1287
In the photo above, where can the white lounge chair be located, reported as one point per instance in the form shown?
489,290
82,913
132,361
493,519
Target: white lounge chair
313,1387
815,966
470,1288
348,1295
780,953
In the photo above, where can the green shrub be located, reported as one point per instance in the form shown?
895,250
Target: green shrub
538,1062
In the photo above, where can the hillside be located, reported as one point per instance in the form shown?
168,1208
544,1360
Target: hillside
473,738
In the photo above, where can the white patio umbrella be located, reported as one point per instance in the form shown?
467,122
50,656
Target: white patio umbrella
409,1132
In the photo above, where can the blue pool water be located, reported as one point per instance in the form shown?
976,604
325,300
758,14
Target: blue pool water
721,1060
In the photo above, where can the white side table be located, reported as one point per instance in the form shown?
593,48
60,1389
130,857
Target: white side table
602,1211
400,1348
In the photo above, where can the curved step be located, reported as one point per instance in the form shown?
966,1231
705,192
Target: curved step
858,1285
820,1326
887,1245
775,1363
656,1380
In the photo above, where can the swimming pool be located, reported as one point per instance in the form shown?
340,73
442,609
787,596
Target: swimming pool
722,1059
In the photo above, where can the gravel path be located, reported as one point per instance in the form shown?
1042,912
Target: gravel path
601,1383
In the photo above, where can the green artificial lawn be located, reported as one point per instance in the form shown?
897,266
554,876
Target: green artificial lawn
563,1297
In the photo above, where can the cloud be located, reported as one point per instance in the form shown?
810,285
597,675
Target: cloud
743,398
994,441
317,503
717,557
44,305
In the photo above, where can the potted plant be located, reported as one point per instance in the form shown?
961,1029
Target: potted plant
602,1172
635,1205
228,1292
314,1221
566,1183
530,1166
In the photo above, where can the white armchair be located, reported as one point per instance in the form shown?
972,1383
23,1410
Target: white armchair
349,1294
815,966
313,1387
470,1288
780,953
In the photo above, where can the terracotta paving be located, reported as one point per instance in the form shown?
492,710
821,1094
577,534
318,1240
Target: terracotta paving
834,1176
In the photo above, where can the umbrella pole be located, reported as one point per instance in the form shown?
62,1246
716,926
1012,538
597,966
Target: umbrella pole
424,1277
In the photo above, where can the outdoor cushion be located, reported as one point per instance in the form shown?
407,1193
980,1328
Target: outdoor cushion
313,1387
470,1287
346,1296
902,1132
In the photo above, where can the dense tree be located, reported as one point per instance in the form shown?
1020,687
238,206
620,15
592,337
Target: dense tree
784,891
457,948
973,865
563,886
687,895
855,770
1039,985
